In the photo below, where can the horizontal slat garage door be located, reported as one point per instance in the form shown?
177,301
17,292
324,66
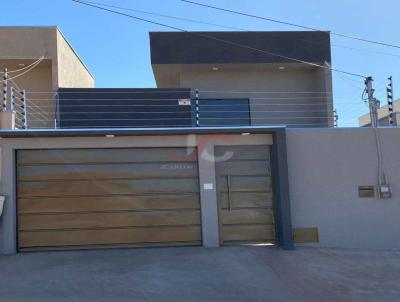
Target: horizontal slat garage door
107,197
245,194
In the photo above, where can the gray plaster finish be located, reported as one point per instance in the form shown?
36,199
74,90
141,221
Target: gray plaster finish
326,166
240,273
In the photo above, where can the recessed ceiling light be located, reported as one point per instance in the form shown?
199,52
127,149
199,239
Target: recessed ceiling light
110,135
215,68
282,67
246,133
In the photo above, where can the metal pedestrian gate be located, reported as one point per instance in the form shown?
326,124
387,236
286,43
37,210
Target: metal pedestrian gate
245,195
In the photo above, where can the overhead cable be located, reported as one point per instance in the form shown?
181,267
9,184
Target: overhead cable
23,68
22,73
239,29
220,40
291,24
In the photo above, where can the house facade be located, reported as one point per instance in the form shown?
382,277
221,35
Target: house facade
59,65
233,69
228,85
247,173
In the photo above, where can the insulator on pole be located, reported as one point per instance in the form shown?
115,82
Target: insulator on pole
23,98
5,88
335,118
197,108
12,99
389,93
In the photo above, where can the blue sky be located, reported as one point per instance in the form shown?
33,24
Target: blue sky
116,49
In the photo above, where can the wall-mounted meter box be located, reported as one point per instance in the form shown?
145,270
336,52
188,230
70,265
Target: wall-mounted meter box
2,199
384,191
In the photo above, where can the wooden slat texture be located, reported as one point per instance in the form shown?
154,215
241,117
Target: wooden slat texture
107,187
109,171
108,203
244,152
109,236
85,156
244,167
245,195
246,183
247,216
248,233
246,200
108,246
107,197
107,220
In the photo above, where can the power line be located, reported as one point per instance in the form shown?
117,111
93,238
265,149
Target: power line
167,16
290,24
241,29
220,40
23,68
25,72
366,50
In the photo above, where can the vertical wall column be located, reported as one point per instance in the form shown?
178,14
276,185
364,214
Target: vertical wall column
280,183
7,120
327,78
208,195
8,223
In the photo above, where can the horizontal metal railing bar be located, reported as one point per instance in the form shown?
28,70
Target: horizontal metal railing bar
149,105
176,99
271,99
216,118
112,92
186,112
169,126
113,99
172,91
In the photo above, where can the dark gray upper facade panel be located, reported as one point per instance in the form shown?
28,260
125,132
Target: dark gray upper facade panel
195,48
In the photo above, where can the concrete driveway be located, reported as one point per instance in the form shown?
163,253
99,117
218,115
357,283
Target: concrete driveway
197,274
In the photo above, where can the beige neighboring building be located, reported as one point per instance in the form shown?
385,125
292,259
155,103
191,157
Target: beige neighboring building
383,114
61,68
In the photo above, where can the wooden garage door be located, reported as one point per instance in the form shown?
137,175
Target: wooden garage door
107,197
245,194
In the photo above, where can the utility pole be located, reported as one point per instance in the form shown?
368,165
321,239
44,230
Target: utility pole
389,91
372,102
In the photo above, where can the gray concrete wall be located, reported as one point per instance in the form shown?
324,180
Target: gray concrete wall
326,167
277,97
205,146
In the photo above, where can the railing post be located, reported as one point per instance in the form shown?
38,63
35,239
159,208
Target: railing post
7,118
57,110
25,117
12,99
5,80
197,109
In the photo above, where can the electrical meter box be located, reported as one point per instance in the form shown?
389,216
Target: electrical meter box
384,191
